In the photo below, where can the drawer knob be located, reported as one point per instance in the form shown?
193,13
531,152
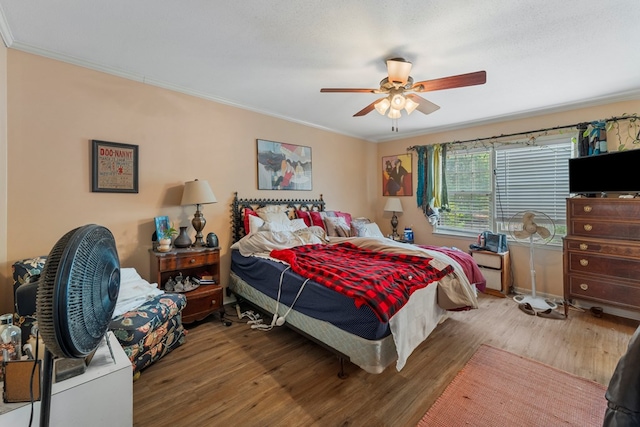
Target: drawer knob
584,286
588,227
192,260
584,262
587,208
584,246
213,302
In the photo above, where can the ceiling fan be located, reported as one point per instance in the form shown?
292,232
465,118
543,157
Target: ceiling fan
399,85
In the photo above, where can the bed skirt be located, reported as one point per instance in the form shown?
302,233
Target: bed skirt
371,355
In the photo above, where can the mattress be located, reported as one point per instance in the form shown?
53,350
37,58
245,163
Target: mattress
315,300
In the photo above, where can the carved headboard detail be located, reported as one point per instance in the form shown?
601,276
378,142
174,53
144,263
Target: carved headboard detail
239,205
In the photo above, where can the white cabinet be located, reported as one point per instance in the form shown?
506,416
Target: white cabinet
496,268
102,396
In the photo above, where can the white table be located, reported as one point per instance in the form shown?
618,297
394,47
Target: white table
102,396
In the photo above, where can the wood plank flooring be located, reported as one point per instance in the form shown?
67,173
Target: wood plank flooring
236,376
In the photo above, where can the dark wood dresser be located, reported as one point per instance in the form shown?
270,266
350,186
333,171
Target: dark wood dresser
602,252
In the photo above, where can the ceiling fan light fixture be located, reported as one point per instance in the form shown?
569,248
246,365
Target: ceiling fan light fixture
410,105
394,114
383,105
398,69
398,101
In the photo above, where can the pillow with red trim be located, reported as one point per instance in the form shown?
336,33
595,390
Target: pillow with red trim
304,215
247,213
317,219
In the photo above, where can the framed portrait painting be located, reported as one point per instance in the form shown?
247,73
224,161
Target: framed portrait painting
397,178
283,166
114,167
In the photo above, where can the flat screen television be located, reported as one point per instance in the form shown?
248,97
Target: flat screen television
616,172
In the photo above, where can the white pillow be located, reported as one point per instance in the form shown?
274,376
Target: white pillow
280,217
255,222
372,230
297,224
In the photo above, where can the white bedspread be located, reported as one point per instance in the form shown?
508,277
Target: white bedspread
134,291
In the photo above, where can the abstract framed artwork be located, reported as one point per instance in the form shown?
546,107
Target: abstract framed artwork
114,167
283,166
397,178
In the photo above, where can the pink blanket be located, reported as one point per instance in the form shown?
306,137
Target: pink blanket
466,261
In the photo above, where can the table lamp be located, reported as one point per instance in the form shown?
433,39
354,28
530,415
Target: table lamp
393,205
198,193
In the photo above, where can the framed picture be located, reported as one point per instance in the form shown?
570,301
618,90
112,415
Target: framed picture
397,179
283,166
162,224
114,167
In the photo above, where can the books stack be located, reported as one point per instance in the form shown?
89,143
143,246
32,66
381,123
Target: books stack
204,279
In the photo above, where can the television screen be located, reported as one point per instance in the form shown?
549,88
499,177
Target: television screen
617,172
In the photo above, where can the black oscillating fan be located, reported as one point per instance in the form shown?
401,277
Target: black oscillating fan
77,295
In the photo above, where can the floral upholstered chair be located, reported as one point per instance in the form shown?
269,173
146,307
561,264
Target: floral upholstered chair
146,332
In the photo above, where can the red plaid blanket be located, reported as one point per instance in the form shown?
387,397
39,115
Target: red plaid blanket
380,280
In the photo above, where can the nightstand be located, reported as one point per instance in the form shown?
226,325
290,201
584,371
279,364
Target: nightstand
496,268
205,299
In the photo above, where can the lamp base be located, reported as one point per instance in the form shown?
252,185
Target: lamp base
394,227
198,223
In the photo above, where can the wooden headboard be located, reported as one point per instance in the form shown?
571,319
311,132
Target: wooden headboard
239,205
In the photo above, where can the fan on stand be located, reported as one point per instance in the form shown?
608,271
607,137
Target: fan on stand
535,228
76,298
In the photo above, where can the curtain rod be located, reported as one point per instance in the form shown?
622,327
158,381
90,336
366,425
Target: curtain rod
582,125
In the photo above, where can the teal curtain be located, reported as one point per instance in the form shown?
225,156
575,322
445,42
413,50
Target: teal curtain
432,183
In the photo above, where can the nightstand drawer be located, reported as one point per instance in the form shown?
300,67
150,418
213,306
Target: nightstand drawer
188,261
485,259
201,302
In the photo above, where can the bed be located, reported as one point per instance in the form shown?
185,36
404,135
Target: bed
268,272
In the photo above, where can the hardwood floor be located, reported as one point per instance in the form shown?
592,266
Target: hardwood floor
236,376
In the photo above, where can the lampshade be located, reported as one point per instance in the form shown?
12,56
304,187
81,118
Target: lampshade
382,105
410,105
398,101
394,114
393,205
197,193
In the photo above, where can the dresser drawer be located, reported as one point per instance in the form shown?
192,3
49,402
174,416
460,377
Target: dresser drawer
604,247
188,260
607,229
606,291
586,263
604,209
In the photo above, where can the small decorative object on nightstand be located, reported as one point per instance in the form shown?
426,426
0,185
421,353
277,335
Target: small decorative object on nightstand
393,205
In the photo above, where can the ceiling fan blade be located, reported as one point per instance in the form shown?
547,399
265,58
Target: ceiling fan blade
398,70
338,90
424,106
461,80
369,108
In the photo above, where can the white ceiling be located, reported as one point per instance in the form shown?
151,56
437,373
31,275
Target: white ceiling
273,56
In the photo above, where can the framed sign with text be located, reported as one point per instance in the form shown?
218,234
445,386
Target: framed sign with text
114,167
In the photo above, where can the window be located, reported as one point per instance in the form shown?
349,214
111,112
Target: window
488,186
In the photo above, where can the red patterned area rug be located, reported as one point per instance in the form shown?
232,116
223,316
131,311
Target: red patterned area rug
498,388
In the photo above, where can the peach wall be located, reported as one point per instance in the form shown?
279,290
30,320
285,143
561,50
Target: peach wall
548,260
55,109
6,297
